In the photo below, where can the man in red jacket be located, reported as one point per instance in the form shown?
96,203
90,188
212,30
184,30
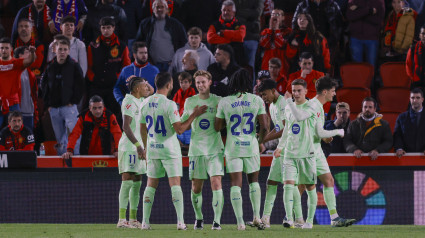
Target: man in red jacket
99,131
16,136
415,63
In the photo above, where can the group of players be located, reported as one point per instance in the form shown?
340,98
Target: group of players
149,145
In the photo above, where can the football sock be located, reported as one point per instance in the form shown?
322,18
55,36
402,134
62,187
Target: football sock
148,198
255,197
312,204
298,209
177,198
288,199
134,199
330,200
197,204
269,201
123,197
217,204
236,199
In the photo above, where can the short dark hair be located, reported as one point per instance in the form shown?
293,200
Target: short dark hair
325,83
13,114
227,48
195,31
19,51
134,82
96,98
25,19
64,41
59,37
69,18
275,61
417,90
137,45
107,21
162,79
240,82
185,75
301,82
306,55
5,40
370,99
266,84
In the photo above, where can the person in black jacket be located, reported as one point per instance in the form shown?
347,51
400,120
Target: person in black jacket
62,86
410,126
341,122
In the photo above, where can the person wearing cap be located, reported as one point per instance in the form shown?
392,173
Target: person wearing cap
262,75
341,121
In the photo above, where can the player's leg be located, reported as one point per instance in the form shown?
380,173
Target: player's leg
273,180
307,175
215,169
140,167
196,197
251,167
126,184
236,198
289,178
298,210
312,204
174,170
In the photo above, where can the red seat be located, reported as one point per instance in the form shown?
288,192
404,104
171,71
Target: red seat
357,75
394,74
393,99
353,96
391,118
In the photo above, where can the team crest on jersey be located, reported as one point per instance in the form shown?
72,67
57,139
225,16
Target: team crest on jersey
114,52
204,124
295,129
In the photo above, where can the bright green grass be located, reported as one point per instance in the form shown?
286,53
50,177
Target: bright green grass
109,230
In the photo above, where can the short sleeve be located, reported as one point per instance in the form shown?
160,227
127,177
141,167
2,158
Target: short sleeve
220,110
173,113
129,109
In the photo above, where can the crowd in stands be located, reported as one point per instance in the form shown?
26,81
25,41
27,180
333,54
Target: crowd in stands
65,64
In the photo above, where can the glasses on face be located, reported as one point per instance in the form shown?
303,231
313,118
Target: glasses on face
275,14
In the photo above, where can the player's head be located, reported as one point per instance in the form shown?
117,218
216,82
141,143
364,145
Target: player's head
21,52
15,120
342,111
325,86
240,82
96,106
164,81
299,90
267,90
138,86
5,48
140,52
203,81
369,107
67,25
185,80
306,61
416,99
107,26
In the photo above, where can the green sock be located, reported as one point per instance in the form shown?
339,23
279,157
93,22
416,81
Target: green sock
134,199
269,201
255,197
123,197
330,200
197,205
298,209
236,199
217,204
312,204
288,199
148,198
177,198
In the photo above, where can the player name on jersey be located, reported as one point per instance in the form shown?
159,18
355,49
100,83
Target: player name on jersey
241,104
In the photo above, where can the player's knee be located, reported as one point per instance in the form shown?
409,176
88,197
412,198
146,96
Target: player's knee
216,183
328,181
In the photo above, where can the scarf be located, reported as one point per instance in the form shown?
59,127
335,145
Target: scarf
46,19
109,41
391,27
63,10
19,42
227,24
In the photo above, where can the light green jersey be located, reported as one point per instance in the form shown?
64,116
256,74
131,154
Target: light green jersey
160,113
277,112
131,107
204,140
240,112
320,113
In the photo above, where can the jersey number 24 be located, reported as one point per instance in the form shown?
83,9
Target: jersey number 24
159,125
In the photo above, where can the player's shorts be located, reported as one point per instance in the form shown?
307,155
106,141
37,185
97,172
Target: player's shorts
129,162
202,166
322,165
247,165
302,171
275,173
158,167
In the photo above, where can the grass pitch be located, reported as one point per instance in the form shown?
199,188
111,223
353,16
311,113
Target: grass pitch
110,230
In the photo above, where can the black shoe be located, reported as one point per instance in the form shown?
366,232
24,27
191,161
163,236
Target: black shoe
216,226
199,225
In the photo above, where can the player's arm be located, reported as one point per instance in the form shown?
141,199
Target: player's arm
181,127
322,133
129,133
144,134
273,134
219,123
264,128
299,114
31,57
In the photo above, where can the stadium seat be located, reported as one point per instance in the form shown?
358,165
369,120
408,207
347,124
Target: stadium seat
353,96
393,99
394,74
357,75
391,118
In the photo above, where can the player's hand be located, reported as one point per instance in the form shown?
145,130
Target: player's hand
276,153
373,154
199,110
341,133
79,26
67,155
287,95
127,80
328,140
141,152
358,154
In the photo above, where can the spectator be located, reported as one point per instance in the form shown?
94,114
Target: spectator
365,22
185,91
341,122
63,8
29,91
10,77
139,68
133,12
16,136
61,86
410,126
40,15
25,38
369,133
273,40
105,8
228,30
415,63
206,58
78,48
222,69
399,30
163,34
98,129
275,66
305,38
190,63
106,58
147,7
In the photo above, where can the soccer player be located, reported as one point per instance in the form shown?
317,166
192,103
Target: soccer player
240,111
131,155
205,150
163,149
277,103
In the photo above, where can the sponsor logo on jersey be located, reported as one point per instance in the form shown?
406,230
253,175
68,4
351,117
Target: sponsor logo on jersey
204,124
277,128
295,129
6,67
